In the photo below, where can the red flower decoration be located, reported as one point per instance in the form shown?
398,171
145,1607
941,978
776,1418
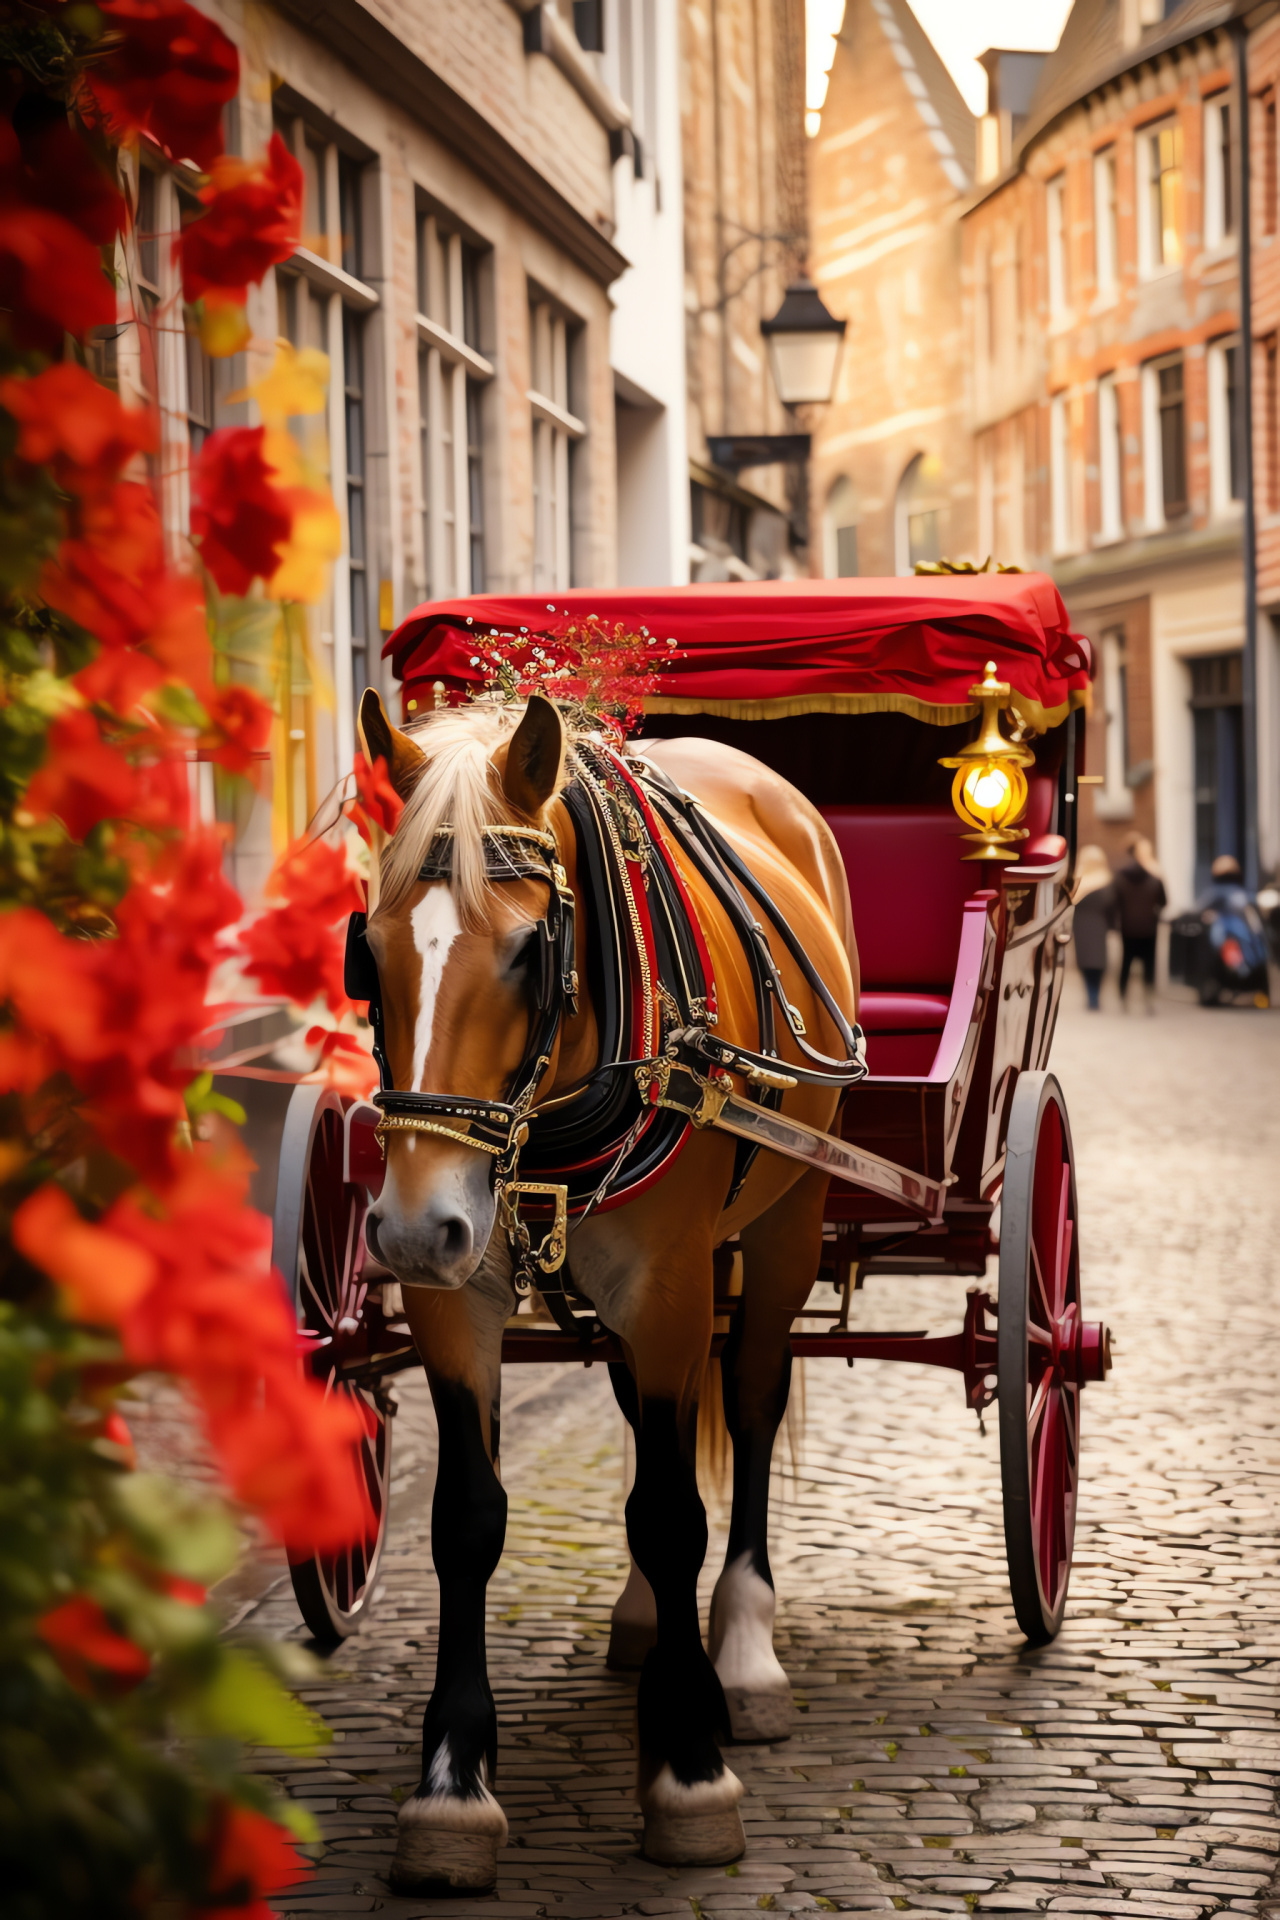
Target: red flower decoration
239,726
251,1856
295,949
378,802
44,161
89,1650
170,77
71,422
83,780
254,219
237,512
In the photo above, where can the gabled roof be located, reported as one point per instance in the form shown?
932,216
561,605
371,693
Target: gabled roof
952,128
1092,52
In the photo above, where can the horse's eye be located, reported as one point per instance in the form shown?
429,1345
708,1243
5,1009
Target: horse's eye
522,953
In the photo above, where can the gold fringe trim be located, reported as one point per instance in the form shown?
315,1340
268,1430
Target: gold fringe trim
1028,711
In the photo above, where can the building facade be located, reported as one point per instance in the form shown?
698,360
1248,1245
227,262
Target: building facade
890,169
1102,277
745,235
492,262
1264,202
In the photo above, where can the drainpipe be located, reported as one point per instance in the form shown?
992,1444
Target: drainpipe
1244,403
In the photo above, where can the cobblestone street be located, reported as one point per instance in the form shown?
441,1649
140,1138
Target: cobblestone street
939,1766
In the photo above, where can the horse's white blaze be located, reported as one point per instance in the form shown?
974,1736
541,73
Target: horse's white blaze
435,927
742,1611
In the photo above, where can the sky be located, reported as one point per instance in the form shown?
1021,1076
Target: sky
959,29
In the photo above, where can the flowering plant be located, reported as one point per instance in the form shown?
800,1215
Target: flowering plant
126,1243
600,673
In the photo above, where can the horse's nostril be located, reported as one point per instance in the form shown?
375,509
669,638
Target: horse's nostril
455,1236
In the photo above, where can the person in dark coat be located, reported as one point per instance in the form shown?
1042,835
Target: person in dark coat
1095,904
1140,898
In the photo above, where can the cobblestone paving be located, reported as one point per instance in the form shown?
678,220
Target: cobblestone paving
939,1766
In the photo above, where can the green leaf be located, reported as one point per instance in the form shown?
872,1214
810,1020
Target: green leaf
182,1531
244,1700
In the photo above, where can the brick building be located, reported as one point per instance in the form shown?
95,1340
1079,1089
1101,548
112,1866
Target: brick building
890,169
745,235
493,245
1264,88
1103,303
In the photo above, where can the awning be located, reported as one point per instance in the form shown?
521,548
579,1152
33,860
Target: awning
763,650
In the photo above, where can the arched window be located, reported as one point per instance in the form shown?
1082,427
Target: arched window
840,531
919,513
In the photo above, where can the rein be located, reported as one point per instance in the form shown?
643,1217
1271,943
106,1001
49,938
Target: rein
661,994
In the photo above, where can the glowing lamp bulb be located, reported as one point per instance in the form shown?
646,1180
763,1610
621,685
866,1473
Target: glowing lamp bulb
988,789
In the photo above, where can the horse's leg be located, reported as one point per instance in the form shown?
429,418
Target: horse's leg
633,1624
450,1830
688,1796
780,1254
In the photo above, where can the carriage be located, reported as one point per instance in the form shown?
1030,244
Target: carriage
956,1146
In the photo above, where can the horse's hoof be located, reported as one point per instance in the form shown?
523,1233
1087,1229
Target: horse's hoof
629,1642
760,1714
446,1845
693,1826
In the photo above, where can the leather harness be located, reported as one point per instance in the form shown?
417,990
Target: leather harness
663,1068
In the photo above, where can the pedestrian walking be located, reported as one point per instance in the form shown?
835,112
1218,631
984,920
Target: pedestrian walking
1140,897
1095,914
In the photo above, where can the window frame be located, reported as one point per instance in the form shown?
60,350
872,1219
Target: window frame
1061,518
1111,515
1114,800
1056,253
452,321
557,434
1158,405
1226,483
1106,221
1218,224
1152,258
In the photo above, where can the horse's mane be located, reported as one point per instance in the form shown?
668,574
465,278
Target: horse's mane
458,787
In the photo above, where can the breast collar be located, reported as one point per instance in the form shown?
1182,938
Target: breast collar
653,990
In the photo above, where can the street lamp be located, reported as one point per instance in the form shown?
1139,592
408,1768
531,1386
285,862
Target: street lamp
804,343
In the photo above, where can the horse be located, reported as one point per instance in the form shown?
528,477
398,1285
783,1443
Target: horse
456,953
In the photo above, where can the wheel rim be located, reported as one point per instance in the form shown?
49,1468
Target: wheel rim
334,1314
1052,1388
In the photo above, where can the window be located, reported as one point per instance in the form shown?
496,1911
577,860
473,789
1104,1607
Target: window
1106,243
1160,197
357,533
1271,424
588,24
149,287
1226,480
841,532
918,514
556,434
1269,161
1056,196
1110,461
1218,209
1060,474
1165,440
1115,799
452,375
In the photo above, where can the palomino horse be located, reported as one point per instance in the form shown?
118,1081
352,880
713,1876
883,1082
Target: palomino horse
455,959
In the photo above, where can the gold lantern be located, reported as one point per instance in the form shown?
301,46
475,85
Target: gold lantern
989,791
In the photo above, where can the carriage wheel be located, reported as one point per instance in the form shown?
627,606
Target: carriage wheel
1045,1353
318,1246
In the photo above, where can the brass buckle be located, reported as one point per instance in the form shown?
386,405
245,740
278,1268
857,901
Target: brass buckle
549,1257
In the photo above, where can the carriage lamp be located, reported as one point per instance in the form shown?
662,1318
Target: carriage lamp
989,791
804,342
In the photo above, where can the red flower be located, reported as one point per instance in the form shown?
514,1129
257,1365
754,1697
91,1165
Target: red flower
170,77
251,1856
237,512
379,801
296,949
71,422
83,779
51,279
102,1274
45,162
240,726
254,219
88,1648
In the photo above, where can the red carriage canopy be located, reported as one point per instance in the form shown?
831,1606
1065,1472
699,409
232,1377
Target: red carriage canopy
765,649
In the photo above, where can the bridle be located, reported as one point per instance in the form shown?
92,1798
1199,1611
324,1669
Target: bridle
498,1128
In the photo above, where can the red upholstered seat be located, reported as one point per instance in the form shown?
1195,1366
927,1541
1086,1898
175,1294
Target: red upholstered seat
908,885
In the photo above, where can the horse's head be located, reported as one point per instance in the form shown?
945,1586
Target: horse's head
457,961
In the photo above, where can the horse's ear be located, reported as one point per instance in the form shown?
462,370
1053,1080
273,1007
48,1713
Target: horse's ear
535,757
404,757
